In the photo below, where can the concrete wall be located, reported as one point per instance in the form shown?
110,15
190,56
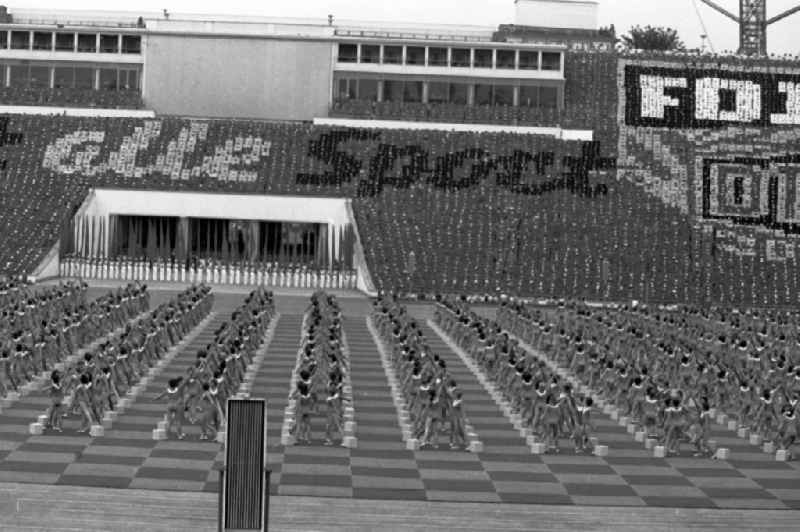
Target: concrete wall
582,14
238,77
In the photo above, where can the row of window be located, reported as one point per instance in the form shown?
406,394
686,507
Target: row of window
411,91
39,76
71,42
503,58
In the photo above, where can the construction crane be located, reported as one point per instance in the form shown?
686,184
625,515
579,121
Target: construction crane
753,23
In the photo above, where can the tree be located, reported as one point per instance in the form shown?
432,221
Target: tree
653,38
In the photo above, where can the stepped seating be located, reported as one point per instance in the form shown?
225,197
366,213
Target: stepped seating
449,113
65,97
483,213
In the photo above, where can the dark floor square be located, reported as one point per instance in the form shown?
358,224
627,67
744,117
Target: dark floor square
714,472
524,457
780,483
582,469
535,498
401,454
751,464
339,481
183,455
737,493
600,490
382,437
94,481
50,448
193,475
211,487
123,442
12,436
389,494
290,458
458,485
384,472
520,476
451,465
113,460
637,461
679,502
38,467
657,480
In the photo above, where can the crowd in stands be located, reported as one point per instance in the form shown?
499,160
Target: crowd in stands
66,97
321,373
545,402
671,370
200,396
727,57
447,113
483,212
274,274
435,403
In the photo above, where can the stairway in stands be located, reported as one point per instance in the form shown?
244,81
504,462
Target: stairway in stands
494,429
272,379
377,425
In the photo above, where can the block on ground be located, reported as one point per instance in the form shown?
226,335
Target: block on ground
601,450
475,446
538,448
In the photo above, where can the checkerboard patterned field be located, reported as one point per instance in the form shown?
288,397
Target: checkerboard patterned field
381,467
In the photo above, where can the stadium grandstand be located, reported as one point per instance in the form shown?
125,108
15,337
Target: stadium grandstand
359,221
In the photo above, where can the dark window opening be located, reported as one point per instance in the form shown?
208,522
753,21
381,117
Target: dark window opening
370,53
506,59
109,44
528,60
437,57
87,43
483,58
415,55
392,55
348,53
65,42
460,57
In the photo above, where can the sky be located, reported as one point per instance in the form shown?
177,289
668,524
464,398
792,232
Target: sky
783,36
